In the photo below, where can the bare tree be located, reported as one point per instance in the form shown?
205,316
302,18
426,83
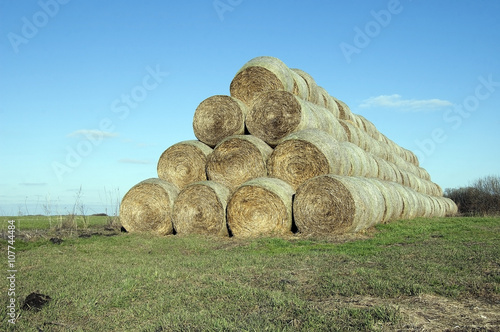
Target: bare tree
481,198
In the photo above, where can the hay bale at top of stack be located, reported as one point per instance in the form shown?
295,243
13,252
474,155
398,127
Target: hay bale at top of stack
218,117
261,206
267,73
344,110
184,163
238,159
306,154
147,207
258,75
313,93
332,204
276,114
200,208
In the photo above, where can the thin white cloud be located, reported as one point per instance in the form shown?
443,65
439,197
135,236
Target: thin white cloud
33,184
137,144
397,101
134,161
94,133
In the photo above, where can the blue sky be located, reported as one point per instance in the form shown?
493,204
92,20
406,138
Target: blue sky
92,92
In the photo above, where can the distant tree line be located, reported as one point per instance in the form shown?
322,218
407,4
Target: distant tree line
482,197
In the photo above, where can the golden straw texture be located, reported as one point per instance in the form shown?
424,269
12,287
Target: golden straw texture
147,207
261,207
184,163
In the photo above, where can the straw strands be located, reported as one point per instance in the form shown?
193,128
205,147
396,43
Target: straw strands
184,163
259,75
276,114
218,117
306,154
147,207
332,204
238,159
200,208
261,207
339,204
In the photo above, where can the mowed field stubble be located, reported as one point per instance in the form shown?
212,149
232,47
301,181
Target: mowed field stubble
412,275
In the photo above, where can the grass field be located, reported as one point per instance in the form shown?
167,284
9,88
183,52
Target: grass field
424,274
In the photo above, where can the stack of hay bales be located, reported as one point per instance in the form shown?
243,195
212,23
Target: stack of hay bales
279,154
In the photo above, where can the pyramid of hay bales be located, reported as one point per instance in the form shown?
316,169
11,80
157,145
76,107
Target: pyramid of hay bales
280,154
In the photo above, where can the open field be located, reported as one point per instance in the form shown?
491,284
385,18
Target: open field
424,274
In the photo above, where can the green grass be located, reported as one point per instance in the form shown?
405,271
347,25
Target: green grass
135,282
40,222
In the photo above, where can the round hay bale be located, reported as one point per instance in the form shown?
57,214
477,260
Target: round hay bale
184,163
372,166
437,190
369,127
437,208
261,207
323,97
333,107
362,139
385,171
355,158
397,174
313,93
238,159
423,174
424,207
300,88
306,154
276,114
200,208
361,162
218,117
405,179
396,201
410,202
351,131
415,183
261,74
147,207
344,110
332,204
393,201
451,207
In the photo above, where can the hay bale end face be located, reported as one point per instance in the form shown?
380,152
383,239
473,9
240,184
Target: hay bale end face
147,207
238,159
332,204
258,75
276,114
218,117
261,207
200,208
306,154
184,163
